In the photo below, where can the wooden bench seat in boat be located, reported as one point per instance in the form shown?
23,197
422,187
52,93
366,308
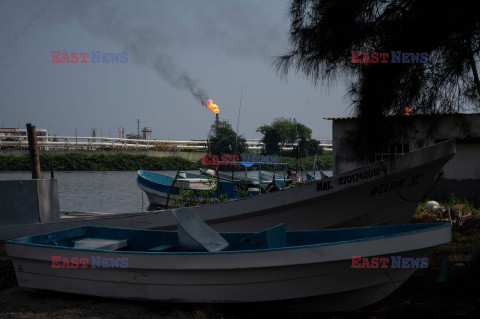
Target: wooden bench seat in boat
102,244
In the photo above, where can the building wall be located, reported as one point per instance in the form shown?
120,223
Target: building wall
461,174
465,164
343,159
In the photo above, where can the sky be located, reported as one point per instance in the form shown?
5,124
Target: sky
177,52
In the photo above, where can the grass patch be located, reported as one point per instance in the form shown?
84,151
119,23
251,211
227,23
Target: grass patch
471,204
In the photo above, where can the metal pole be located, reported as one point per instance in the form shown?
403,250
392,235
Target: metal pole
298,144
219,183
260,177
171,187
33,148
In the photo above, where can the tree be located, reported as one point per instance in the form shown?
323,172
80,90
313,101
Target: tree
133,136
324,33
286,131
225,142
309,147
270,140
221,123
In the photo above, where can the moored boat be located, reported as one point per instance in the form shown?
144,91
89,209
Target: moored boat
158,187
314,270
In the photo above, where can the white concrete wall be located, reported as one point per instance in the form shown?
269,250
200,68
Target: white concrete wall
29,201
465,164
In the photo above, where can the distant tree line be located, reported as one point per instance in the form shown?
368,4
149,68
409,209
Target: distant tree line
96,162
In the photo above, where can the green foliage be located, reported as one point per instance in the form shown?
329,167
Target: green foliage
221,124
189,198
286,131
308,147
241,190
324,163
471,204
133,136
270,139
96,162
225,142
125,162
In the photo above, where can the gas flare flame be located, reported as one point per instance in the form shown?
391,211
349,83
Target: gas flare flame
211,106
408,111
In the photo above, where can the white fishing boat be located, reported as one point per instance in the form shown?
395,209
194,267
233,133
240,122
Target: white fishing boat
301,270
385,192
161,188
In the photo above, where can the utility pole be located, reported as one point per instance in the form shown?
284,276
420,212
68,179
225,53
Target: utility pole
138,127
76,140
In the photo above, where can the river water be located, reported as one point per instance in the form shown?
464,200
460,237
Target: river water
98,191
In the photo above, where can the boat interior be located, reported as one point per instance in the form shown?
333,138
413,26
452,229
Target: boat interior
157,241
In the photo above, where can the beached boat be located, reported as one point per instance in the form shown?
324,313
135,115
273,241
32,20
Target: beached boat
157,186
385,192
302,270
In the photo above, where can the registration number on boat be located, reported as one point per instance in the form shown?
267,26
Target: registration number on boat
353,178
359,176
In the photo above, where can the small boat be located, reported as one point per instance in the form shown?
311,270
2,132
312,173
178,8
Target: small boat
210,173
266,178
157,186
318,270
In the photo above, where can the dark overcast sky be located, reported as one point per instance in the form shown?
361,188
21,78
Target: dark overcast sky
217,45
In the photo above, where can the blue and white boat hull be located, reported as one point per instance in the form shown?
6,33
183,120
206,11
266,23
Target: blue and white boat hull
312,272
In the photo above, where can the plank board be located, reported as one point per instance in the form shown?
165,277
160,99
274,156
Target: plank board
103,244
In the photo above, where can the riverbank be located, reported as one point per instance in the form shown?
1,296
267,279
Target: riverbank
79,161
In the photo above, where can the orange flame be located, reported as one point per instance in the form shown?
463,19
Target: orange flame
211,106
408,111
